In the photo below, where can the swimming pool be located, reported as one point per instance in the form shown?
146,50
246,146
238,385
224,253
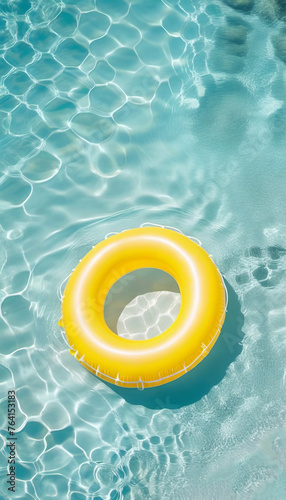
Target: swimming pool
114,114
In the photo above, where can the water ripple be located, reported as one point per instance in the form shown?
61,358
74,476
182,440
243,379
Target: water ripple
171,112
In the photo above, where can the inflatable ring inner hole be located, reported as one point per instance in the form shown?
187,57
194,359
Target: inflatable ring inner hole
142,304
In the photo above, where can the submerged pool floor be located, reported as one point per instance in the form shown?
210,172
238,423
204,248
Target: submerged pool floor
113,114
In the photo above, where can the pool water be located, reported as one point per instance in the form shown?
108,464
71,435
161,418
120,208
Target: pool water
114,114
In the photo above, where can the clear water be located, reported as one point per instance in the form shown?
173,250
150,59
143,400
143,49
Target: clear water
114,114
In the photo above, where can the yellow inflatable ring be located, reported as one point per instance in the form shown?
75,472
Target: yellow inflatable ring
152,362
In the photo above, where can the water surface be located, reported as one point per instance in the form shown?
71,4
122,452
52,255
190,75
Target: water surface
114,114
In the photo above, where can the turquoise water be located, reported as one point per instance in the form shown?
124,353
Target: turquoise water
113,114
